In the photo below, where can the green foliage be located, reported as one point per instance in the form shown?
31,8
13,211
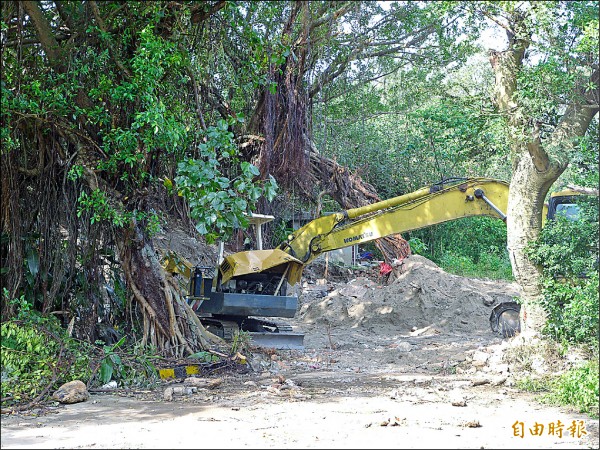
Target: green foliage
241,342
30,355
420,126
417,246
128,365
572,309
111,363
489,266
578,387
23,307
280,233
567,250
473,246
205,357
100,209
531,384
220,201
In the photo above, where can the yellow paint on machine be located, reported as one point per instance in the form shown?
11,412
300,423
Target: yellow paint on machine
256,261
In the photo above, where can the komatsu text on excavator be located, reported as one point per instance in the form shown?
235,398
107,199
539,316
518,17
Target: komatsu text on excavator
250,287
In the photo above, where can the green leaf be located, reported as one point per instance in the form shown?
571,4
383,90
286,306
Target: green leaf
201,228
33,261
106,371
116,359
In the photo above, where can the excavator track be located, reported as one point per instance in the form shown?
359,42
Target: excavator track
263,333
224,329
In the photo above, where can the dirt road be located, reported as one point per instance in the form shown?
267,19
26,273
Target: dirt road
409,365
319,409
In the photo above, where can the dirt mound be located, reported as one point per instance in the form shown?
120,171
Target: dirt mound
422,300
174,238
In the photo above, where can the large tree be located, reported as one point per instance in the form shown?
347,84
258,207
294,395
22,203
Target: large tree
317,51
92,119
546,88
104,102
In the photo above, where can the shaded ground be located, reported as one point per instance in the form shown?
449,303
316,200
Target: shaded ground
411,364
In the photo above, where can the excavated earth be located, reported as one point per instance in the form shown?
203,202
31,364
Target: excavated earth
409,362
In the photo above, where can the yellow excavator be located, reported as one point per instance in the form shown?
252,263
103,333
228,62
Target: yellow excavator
249,288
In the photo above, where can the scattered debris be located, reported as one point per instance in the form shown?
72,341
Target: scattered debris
457,398
472,424
189,367
172,391
396,422
203,383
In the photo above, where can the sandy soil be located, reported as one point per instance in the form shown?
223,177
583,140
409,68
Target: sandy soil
410,364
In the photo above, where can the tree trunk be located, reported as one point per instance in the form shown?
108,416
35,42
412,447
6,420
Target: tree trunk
528,189
536,166
169,323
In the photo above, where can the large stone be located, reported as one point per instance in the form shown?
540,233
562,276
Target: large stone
72,392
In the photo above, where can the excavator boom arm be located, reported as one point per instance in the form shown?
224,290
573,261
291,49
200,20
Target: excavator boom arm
419,209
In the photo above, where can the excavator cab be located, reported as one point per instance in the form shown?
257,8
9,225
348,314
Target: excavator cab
562,202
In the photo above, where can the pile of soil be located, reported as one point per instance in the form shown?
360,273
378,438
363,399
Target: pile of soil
174,238
423,295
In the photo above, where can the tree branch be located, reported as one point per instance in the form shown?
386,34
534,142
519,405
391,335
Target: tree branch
200,13
44,32
583,190
102,25
539,157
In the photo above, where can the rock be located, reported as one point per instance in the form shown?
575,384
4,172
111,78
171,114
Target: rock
538,365
501,368
480,358
457,398
428,329
404,347
487,300
498,380
472,424
171,391
72,392
290,383
208,383
354,291
480,381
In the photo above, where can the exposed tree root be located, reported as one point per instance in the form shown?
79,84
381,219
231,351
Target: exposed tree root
350,191
169,323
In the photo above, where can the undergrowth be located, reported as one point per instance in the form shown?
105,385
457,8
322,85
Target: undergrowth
577,387
490,266
38,356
